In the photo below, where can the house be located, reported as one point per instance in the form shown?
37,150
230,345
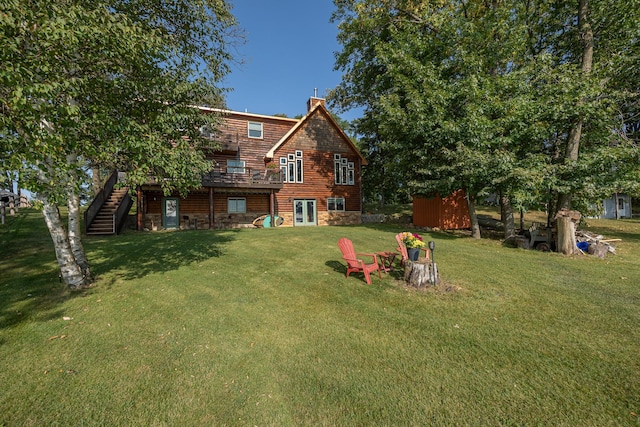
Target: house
448,213
306,171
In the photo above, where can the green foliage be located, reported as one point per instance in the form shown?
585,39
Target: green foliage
241,327
108,83
481,95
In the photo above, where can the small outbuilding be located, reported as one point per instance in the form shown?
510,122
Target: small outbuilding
616,207
448,213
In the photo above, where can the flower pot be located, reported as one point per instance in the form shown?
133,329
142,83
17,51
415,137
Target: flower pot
413,253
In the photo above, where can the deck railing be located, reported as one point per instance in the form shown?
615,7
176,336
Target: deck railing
243,176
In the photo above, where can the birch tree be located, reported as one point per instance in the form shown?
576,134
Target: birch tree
109,83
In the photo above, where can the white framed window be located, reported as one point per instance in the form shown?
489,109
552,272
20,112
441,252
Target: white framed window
292,172
351,176
343,170
292,167
299,166
335,204
237,205
207,132
236,166
255,130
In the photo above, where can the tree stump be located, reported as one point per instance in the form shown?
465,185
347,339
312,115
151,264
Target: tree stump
566,224
420,273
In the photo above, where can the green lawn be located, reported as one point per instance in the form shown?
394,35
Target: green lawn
260,327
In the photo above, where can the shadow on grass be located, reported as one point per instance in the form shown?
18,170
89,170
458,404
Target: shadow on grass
136,255
29,284
341,269
30,288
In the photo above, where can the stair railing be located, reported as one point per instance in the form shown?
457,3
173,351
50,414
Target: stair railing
120,216
99,199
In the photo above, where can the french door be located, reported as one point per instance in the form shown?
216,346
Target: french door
305,212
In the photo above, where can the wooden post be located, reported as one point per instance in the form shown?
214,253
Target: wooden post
139,210
421,273
211,218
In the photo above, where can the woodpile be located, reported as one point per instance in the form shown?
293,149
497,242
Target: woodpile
597,244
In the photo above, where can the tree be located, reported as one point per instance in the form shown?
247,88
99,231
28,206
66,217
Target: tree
493,96
109,83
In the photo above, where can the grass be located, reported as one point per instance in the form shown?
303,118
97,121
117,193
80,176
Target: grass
260,327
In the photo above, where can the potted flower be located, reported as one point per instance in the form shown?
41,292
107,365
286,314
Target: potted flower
273,169
413,243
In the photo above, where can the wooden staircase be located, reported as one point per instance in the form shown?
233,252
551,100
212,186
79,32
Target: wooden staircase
105,222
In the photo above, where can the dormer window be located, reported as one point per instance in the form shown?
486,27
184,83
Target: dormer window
255,130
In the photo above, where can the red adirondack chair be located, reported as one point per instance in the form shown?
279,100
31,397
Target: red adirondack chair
356,265
403,250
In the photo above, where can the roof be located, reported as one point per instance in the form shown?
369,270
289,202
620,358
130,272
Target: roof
254,115
270,154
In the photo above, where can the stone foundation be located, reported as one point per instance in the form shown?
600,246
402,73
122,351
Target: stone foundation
153,222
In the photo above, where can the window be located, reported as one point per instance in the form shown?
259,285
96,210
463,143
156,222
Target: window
344,170
292,167
237,205
255,130
207,132
298,166
335,204
235,166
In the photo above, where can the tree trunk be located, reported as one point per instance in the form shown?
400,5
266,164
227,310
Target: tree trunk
566,243
475,226
507,217
75,235
95,180
70,271
573,140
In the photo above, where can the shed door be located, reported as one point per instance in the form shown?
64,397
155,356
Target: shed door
170,212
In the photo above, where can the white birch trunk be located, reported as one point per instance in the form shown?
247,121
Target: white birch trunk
75,241
70,271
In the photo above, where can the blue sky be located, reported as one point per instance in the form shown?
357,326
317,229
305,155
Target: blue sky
289,51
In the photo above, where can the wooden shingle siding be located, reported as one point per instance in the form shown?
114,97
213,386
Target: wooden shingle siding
252,150
319,141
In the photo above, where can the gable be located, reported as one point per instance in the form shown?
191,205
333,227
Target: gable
317,131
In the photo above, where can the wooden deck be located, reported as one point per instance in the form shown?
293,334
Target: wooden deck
246,178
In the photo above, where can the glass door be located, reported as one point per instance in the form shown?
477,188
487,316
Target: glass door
170,212
304,212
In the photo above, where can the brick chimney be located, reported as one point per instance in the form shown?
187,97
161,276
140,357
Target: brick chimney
313,101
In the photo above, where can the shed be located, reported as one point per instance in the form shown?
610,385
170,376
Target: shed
616,207
449,213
